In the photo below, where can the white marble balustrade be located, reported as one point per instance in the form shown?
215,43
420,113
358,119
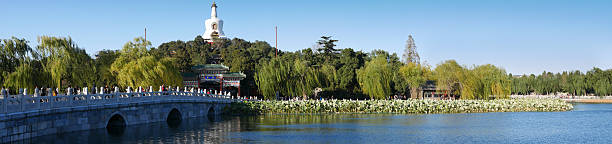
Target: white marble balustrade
26,103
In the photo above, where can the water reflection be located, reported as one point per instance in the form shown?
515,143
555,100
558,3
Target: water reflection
588,124
194,130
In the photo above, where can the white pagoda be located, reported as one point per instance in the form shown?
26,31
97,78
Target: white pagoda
214,26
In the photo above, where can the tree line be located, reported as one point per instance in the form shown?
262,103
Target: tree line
594,82
58,62
322,71
346,73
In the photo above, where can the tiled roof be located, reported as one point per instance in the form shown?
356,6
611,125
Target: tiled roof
234,74
210,67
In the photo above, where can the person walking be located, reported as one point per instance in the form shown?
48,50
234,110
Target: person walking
4,93
36,92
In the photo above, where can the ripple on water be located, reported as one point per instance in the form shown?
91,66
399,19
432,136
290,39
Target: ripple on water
587,123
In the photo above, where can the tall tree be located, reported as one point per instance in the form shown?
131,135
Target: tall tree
327,48
410,53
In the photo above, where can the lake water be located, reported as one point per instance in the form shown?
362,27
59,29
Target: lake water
587,123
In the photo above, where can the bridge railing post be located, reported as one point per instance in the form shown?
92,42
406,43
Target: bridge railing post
21,96
70,100
116,97
4,100
30,103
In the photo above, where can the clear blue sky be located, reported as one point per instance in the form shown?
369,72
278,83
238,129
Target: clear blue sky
522,36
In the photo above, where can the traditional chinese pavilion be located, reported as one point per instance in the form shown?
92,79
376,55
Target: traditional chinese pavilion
214,76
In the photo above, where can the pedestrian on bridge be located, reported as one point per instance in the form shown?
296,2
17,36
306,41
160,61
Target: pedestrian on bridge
4,93
36,92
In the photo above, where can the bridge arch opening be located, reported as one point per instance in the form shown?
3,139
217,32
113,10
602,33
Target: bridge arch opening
116,125
211,114
174,118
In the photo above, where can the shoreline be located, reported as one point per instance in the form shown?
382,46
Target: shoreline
599,101
412,106
574,99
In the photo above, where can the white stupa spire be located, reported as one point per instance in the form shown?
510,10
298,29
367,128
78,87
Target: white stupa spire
213,13
214,25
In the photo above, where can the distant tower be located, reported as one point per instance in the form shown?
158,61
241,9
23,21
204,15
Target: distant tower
214,26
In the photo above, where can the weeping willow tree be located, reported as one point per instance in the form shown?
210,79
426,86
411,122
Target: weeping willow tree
65,62
485,82
375,78
136,67
26,76
296,79
413,75
448,75
271,77
304,79
13,53
494,81
329,77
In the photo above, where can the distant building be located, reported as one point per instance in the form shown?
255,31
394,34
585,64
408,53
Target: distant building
430,91
214,26
214,76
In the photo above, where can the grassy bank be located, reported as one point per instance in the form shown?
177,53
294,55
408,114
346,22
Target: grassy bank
399,106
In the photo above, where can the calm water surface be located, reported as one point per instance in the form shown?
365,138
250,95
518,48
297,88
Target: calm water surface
587,123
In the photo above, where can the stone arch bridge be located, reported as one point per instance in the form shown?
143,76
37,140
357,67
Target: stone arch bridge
25,116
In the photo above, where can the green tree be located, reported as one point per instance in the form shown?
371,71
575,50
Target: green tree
304,79
13,52
26,76
327,48
410,53
65,62
375,78
350,61
448,75
330,76
296,79
136,67
413,76
485,82
104,60
271,77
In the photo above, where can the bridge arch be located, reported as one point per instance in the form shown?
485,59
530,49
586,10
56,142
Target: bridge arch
174,117
211,111
116,123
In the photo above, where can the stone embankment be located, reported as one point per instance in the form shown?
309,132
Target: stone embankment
399,106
